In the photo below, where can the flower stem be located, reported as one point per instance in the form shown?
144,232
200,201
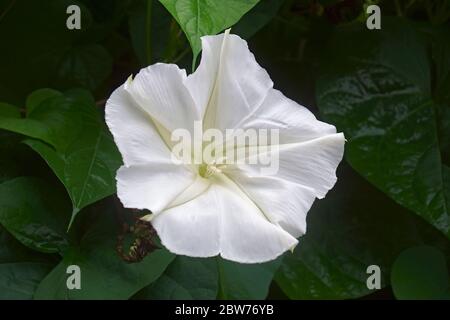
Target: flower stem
9,7
398,8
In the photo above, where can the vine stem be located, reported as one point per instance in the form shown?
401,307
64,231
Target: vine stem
9,7
398,8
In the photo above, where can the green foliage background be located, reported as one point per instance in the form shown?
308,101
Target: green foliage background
388,90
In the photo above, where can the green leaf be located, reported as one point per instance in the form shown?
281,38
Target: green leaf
420,273
19,280
30,127
245,281
21,269
39,96
35,213
19,160
75,143
88,65
257,18
12,251
8,110
150,31
103,274
380,94
9,168
209,17
441,58
185,279
194,278
440,50
354,227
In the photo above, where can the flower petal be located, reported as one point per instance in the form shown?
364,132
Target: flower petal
192,228
159,89
306,170
247,236
222,220
284,203
294,122
311,164
228,83
134,132
152,186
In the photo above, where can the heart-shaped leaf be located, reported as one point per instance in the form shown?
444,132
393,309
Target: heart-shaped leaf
21,269
421,273
380,94
103,273
74,141
35,213
198,18
186,278
354,227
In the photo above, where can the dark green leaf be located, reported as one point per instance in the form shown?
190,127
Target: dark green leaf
17,159
379,94
86,65
9,167
10,111
420,273
354,227
198,18
245,281
39,96
21,269
104,275
256,18
441,59
185,278
150,31
74,142
193,278
35,213
19,280
441,62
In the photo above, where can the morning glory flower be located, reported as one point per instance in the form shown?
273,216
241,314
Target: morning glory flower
206,208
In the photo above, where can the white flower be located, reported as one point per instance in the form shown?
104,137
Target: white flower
235,211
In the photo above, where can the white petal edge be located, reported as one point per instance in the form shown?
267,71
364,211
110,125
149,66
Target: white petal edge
133,130
222,220
152,187
284,203
159,90
307,170
229,83
311,164
294,122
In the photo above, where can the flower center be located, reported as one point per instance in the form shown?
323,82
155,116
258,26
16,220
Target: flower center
207,170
